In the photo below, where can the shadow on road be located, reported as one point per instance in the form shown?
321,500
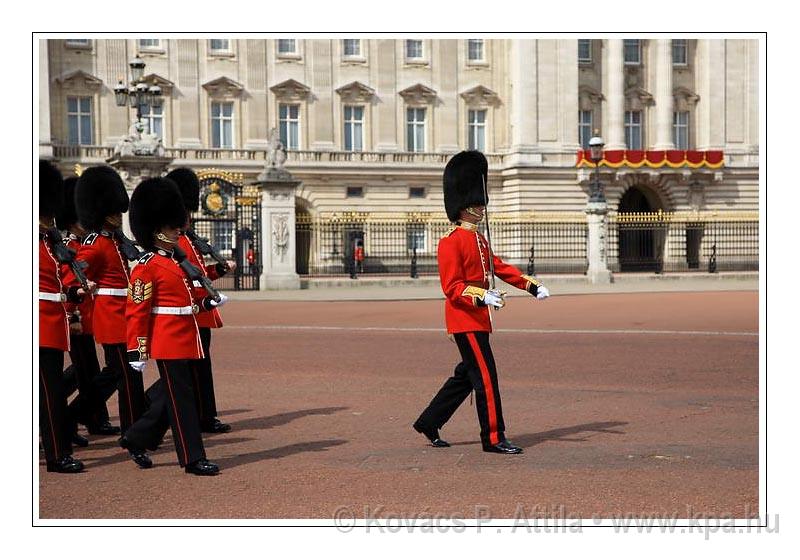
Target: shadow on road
267,422
278,452
562,434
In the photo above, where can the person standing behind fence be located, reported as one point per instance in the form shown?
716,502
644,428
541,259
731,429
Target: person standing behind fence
202,374
465,272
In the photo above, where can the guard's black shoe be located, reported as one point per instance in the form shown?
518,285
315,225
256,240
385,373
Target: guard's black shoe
103,429
505,447
65,464
215,426
136,453
432,434
202,467
79,440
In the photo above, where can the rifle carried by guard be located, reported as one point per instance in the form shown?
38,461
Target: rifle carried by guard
206,248
65,255
127,247
194,273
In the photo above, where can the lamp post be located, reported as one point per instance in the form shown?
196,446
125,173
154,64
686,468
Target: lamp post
596,155
137,92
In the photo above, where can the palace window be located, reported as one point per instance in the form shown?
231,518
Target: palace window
353,128
585,127
680,130
289,125
679,52
287,46
351,47
414,49
355,192
79,120
416,192
154,118
632,51
219,45
415,129
584,51
150,44
475,50
476,126
222,125
633,130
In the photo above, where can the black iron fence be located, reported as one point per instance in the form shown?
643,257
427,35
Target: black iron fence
683,242
368,244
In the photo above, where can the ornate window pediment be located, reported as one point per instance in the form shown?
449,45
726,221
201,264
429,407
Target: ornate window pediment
80,80
418,95
223,87
356,92
685,99
638,98
480,96
589,98
291,90
165,85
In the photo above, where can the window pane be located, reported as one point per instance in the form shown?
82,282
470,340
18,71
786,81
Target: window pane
72,104
284,128
227,134
584,50
357,137
352,47
215,109
215,136
227,109
481,117
294,138
86,129
358,113
282,111
286,46
72,125
679,51
86,105
413,48
481,139
294,110
348,112
420,138
348,137
157,128
631,47
219,44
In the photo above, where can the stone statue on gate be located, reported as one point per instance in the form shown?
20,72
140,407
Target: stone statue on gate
276,157
139,143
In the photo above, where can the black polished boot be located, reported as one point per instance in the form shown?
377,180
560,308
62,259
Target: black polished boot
432,434
505,447
136,453
202,467
65,464
215,426
103,429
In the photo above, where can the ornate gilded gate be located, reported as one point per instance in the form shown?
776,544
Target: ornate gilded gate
230,218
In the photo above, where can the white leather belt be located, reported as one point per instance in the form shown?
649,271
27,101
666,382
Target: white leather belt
119,292
52,297
197,284
186,310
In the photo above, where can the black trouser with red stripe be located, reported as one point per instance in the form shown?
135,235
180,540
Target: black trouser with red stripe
172,398
203,381
53,419
475,372
130,385
94,388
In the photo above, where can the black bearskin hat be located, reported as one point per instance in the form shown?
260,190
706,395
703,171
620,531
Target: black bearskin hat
463,186
51,189
189,186
99,193
67,216
155,203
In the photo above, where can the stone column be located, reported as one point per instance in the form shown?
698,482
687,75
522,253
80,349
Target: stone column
45,142
615,78
663,96
598,272
278,248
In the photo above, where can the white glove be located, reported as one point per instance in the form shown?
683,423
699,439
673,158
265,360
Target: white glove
138,366
542,292
494,298
222,299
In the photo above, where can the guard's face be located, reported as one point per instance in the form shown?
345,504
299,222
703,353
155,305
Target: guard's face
169,234
114,221
476,212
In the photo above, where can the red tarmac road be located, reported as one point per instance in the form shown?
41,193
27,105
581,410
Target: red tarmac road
626,404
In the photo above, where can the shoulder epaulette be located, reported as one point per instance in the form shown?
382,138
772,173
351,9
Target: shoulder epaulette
90,239
144,259
450,231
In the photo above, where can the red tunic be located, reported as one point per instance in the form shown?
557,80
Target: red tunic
53,327
109,269
158,282
85,309
210,319
464,271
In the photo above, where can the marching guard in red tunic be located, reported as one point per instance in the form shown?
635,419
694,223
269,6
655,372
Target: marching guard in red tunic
161,325
465,265
100,200
94,386
202,375
55,288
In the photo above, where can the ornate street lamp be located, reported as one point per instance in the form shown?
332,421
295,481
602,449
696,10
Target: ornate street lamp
596,155
137,92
